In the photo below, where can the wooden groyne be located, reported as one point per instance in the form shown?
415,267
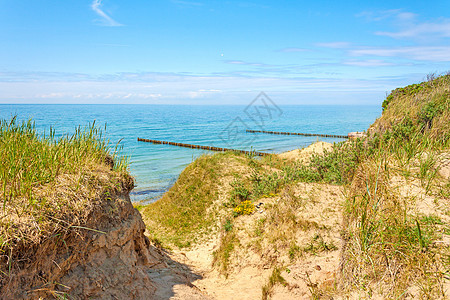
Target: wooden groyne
296,133
201,147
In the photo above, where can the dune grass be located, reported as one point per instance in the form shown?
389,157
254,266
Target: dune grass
189,209
391,247
274,279
29,160
47,184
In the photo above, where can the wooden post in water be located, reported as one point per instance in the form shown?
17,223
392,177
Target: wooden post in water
297,133
201,147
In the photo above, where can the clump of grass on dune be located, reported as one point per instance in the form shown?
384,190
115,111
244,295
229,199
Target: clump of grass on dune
390,247
336,166
188,210
48,184
420,108
274,279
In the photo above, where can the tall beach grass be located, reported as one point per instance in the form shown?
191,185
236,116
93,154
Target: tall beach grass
48,184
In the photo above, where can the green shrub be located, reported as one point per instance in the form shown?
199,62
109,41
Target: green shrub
239,192
228,226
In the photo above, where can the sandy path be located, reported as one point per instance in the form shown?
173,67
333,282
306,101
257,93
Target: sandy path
189,274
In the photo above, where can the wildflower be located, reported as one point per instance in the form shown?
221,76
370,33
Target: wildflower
245,208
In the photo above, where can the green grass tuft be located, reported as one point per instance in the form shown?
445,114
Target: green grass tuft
49,184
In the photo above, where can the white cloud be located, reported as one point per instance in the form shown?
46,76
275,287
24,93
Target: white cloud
426,30
293,49
397,14
106,20
423,53
406,16
209,91
97,96
165,88
244,63
334,45
367,63
408,24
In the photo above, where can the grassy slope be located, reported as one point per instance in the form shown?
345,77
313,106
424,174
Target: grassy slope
388,177
49,186
397,204
190,208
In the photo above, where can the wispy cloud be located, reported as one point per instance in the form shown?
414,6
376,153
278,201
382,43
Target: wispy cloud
417,30
423,53
397,14
176,88
293,49
367,63
408,24
106,20
245,63
100,95
334,45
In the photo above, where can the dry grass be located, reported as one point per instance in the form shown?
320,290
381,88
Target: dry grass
426,104
50,185
222,255
389,247
190,208
392,248
274,279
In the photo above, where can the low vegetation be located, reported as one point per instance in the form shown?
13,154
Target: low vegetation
274,279
387,187
390,214
222,256
189,209
49,185
395,212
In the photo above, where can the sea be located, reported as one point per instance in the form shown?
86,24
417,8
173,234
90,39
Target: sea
156,167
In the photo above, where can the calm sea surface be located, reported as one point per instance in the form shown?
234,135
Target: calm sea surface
156,167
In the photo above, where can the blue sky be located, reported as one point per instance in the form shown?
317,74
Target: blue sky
217,52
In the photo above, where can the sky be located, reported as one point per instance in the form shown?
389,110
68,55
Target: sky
218,52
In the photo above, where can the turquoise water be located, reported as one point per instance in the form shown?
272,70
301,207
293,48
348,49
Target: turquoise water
156,167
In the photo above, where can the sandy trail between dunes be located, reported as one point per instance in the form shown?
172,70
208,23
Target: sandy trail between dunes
190,275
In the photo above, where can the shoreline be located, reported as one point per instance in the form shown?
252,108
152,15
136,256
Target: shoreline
316,147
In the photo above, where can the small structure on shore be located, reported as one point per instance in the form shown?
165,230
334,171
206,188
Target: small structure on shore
356,134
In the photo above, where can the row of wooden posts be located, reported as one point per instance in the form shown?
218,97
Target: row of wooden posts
296,133
241,151
202,147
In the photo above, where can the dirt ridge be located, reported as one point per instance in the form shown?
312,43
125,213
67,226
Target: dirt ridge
109,258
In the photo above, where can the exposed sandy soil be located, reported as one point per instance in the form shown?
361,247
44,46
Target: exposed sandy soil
251,271
108,258
444,165
304,154
318,205
264,245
